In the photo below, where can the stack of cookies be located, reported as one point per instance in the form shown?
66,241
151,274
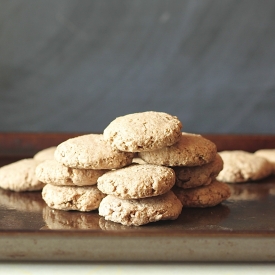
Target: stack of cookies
171,169
142,169
71,176
197,164
140,193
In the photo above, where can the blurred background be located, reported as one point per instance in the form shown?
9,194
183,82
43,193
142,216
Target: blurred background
74,66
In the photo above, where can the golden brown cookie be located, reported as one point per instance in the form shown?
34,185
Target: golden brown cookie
54,172
81,198
137,181
143,131
194,176
190,150
140,211
203,196
268,154
241,166
20,176
47,153
91,152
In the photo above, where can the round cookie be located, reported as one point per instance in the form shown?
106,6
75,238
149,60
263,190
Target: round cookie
140,211
194,176
47,153
54,172
143,131
190,150
203,196
20,176
91,152
137,181
81,198
268,154
241,166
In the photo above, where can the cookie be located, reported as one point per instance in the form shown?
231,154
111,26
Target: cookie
194,176
81,198
241,166
203,196
190,150
268,154
137,181
91,152
47,153
140,211
54,172
143,131
20,176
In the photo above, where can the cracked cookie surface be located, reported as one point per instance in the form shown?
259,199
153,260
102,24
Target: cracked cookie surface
203,196
143,131
91,152
137,181
140,211
54,172
81,198
190,150
194,176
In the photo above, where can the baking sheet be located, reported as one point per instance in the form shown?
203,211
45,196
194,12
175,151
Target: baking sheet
240,229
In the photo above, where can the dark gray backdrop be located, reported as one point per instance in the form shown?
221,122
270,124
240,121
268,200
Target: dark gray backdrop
74,65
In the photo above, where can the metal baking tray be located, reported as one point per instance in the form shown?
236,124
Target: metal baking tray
241,229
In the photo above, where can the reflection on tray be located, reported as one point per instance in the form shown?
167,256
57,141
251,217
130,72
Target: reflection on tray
64,220
199,218
21,201
252,190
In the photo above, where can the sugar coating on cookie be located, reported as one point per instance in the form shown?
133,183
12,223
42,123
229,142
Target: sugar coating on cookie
194,176
91,152
20,176
241,166
47,153
81,198
140,211
137,181
190,150
268,154
203,196
54,172
143,131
